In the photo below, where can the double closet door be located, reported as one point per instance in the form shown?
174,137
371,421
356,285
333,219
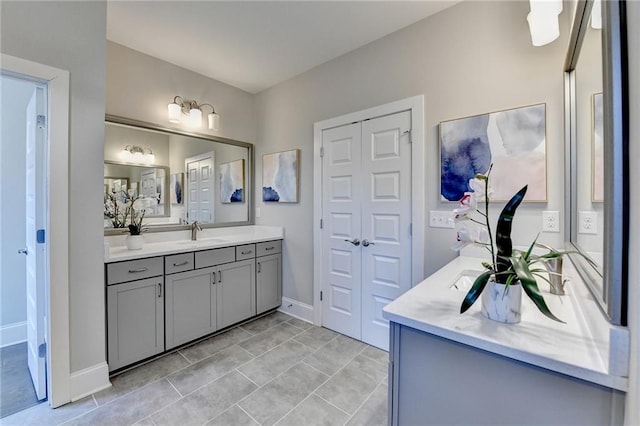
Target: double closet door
366,231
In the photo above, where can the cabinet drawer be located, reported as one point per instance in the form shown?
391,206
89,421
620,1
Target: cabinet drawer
178,263
269,247
247,251
134,270
215,257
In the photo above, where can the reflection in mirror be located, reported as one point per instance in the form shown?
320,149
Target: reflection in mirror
597,150
190,177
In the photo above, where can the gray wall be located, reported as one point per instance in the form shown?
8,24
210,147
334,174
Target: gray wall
13,287
72,36
473,58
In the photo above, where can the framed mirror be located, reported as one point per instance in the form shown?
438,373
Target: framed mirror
182,177
595,116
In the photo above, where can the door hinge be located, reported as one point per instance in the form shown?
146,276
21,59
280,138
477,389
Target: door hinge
408,132
42,350
321,151
321,296
321,224
41,121
40,236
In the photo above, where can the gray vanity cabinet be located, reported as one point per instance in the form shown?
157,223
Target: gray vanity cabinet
236,291
268,276
190,305
135,311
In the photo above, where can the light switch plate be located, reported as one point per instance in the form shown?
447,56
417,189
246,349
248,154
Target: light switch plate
439,219
550,221
588,222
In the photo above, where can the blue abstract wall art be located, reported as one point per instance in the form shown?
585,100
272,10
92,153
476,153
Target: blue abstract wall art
232,182
514,141
280,176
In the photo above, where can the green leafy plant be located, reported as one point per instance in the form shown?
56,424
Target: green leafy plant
508,266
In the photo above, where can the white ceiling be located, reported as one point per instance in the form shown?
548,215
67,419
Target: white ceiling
254,45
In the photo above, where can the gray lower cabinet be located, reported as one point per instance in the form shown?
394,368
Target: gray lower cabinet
190,305
268,282
236,292
135,312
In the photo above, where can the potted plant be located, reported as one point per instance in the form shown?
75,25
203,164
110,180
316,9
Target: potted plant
122,206
510,271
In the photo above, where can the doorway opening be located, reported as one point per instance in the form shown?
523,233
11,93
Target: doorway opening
23,214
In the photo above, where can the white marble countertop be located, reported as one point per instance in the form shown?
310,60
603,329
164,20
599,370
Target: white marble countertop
163,243
574,348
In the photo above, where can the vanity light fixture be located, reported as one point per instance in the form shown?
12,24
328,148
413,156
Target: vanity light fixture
543,21
137,154
194,113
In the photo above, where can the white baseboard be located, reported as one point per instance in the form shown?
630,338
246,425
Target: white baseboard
297,309
12,334
89,380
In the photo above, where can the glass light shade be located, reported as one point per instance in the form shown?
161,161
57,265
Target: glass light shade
149,158
214,121
195,116
596,15
174,112
125,155
548,7
544,28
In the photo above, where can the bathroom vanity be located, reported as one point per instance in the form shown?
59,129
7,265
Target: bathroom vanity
452,368
175,290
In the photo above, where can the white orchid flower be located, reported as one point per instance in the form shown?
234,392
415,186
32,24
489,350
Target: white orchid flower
479,188
471,235
463,238
460,214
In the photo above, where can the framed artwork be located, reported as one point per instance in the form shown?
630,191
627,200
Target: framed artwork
513,140
176,183
280,176
597,158
232,182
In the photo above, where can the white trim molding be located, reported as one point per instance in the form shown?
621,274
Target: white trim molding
89,380
58,355
297,309
414,104
12,334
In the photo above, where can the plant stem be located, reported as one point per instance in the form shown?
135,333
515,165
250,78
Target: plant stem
486,215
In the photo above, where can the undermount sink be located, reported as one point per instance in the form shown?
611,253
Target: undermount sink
464,280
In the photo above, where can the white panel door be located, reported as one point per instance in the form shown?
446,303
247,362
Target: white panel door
200,188
366,200
341,200
386,220
35,246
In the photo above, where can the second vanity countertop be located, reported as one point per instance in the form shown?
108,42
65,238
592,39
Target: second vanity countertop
166,243
573,348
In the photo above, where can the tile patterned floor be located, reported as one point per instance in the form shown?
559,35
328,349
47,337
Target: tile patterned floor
276,370
16,390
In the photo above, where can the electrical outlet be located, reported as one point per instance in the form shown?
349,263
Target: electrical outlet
588,223
550,221
439,219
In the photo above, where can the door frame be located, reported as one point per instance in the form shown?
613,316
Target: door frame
57,227
415,105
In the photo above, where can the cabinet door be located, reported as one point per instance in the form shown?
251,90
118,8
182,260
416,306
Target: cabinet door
190,306
135,321
269,282
236,292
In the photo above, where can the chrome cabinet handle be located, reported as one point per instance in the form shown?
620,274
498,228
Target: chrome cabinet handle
355,242
366,243
259,268
219,276
214,279
186,262
159,289
135,271
246,252
269,248
23,251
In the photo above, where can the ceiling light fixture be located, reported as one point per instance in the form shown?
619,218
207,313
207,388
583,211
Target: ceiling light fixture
194,111
543,21
137,154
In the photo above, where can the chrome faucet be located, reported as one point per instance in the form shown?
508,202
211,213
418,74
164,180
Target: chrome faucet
554,268
195,227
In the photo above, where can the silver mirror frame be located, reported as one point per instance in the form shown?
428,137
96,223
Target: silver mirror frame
250,170
609,288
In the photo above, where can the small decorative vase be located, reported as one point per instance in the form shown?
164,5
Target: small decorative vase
500,305
134,242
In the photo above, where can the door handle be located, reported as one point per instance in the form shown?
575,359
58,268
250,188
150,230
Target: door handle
366,243
355,242
23,251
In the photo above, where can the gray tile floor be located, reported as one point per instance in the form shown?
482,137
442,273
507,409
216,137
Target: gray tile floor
274,370
16,390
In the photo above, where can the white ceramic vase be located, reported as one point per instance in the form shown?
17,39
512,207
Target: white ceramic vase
500,305
134,242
